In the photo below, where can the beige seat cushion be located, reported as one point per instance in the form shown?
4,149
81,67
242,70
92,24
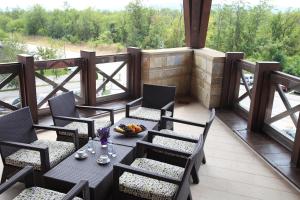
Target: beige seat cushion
57,152
186,134
83,127
148,113
37,193
150,188
179,145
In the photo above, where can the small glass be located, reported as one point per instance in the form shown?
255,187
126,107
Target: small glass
110,149
91,147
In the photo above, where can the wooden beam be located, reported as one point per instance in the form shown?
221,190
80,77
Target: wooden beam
296,148
30,87
260,94
90,88
229,78
134,71
196,18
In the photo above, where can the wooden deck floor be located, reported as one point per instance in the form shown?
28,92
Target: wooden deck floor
232,172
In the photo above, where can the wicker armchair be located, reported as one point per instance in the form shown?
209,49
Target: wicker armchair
19,145
65,114
148,178
180,142
157,101
32,192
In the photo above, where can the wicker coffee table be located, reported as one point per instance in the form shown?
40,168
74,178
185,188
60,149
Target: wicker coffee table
70,171
118,138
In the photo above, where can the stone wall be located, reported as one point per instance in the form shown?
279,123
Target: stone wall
207,76
168,67
197,73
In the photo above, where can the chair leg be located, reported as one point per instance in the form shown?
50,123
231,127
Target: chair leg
204,159
4,175
190,196
195,176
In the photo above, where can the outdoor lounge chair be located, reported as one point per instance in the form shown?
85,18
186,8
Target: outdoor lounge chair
151,179
65,114
32,192
19,145
156,101
180,142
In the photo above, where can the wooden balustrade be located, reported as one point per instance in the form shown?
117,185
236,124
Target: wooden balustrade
28,71
267,80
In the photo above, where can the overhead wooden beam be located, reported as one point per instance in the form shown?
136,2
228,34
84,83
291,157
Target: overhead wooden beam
196,18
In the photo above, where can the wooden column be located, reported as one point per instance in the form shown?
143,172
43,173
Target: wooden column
230,78
27,62
90,70
196,18
296,147
134,71
260,94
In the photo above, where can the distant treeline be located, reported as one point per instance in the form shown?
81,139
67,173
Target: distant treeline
259,31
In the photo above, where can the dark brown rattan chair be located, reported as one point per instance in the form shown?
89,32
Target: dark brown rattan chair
65,114
151,179
156,101
33,192
174,140
19,145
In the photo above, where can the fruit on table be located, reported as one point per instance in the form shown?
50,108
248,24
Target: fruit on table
134,128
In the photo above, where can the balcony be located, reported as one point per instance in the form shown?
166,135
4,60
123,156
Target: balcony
253,147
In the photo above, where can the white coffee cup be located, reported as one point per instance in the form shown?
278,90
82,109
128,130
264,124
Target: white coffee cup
103,158
80,153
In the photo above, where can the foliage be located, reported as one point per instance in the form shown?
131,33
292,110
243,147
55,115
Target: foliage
260,31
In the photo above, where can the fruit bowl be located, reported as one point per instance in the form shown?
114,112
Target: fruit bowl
130,130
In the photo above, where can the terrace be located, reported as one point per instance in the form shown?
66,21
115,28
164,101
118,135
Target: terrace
250,154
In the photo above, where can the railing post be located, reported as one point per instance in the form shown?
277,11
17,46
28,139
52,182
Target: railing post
90,70
260,94
134,71
28,71
296,147
229,78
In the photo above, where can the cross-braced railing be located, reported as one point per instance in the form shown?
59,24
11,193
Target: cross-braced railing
11,79
245,78
108,67
77,63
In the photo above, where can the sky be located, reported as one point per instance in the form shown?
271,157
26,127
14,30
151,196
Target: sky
120,4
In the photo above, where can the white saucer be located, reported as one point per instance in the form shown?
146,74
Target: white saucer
102,162
81,157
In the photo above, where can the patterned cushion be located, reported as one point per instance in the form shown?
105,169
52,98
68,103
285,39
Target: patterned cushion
178,133
148,113
179,145
83,127
150,188
57,152
37,193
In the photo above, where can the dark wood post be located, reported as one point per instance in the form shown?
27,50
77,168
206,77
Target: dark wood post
296,147
90,93
27,62
196,17
230,75
260,94
134,71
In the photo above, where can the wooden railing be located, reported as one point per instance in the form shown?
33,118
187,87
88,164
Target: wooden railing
29,71
268,82
12,72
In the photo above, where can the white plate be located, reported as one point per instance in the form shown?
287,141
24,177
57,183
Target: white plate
81,157
101,162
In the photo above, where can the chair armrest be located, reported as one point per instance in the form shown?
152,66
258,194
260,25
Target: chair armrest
110,110
56,128
120,168
130,104
83,186
153,133
44,151
27,170
168,107
151,146
165,118
89,122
